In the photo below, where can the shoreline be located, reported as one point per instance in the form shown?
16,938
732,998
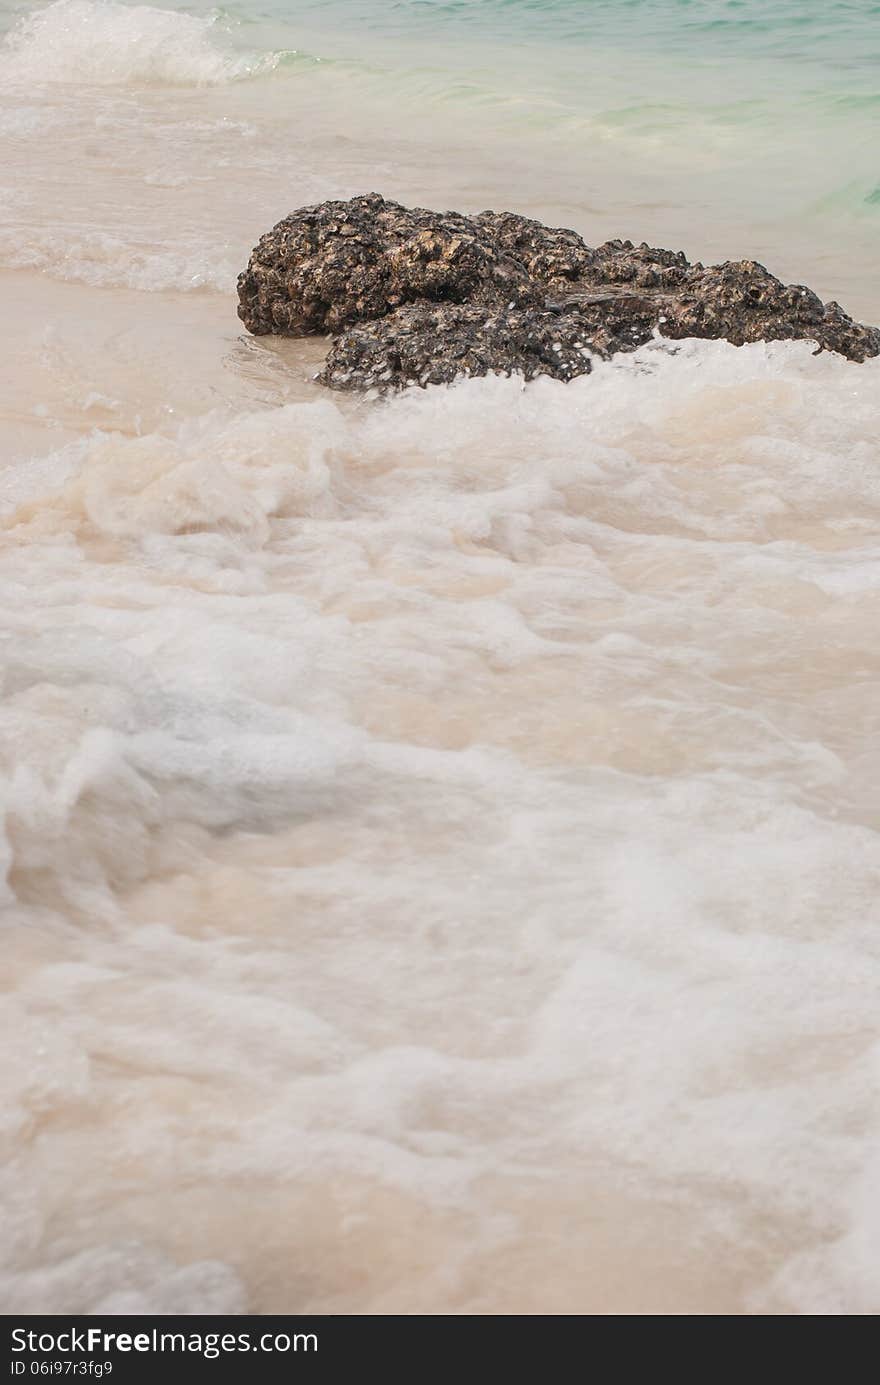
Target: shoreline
133,362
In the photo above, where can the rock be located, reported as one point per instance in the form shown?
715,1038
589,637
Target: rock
431,343
337,263
420,297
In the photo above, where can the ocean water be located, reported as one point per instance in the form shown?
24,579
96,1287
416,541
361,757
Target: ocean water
441,836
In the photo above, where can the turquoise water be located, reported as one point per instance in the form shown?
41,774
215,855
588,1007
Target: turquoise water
755,119
826,31
763,116
774,107
833,48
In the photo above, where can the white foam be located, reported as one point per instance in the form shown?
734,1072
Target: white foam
103,43
105,260
442,849
120,1279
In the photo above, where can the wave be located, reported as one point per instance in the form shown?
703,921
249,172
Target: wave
481,781
107,260
108,44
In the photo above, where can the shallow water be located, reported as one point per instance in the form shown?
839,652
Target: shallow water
441,836
147,148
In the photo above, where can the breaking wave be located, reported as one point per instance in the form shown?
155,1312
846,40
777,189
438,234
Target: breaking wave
108,44
441,849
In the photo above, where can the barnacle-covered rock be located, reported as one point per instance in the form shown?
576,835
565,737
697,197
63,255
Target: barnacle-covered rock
430,344
420,297
341,262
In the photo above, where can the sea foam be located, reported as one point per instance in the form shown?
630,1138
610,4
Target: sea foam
103,43
441,847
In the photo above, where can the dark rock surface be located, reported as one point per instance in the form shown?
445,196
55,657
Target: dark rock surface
420,297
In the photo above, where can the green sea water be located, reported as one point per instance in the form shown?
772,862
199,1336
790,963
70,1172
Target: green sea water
740,125
761,117
774,106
